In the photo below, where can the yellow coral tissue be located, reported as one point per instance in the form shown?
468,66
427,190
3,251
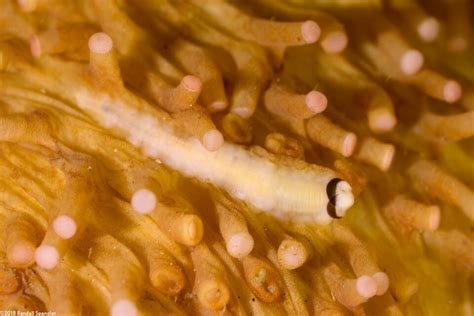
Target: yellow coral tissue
232,157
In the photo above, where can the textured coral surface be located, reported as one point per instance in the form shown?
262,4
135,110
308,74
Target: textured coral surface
224,157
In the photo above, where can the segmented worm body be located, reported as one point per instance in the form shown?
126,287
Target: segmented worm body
313,193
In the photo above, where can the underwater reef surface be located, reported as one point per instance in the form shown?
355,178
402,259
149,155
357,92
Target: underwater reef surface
224,157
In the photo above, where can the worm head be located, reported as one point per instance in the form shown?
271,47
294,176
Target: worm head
340,197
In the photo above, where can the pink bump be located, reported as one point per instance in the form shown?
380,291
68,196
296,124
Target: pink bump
243,112
384,122
64,226
388,158
100,43
123,308
366,286
217,106
310,31
434,218
291,254
382,281
143,201
22,254
213,140
47,257
316,101
240,245
452,91
192,83
27,5
349,144
411,62
35,46
428,29
334,42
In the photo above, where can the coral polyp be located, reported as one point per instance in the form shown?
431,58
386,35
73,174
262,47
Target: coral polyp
221,157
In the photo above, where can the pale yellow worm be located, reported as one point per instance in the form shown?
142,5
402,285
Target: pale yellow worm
313,193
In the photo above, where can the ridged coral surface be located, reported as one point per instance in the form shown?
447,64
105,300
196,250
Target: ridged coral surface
221,157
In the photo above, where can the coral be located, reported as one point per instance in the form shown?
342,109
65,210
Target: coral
229,157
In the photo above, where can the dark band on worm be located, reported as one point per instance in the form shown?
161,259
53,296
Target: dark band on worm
331,193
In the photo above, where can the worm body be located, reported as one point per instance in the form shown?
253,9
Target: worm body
313,193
